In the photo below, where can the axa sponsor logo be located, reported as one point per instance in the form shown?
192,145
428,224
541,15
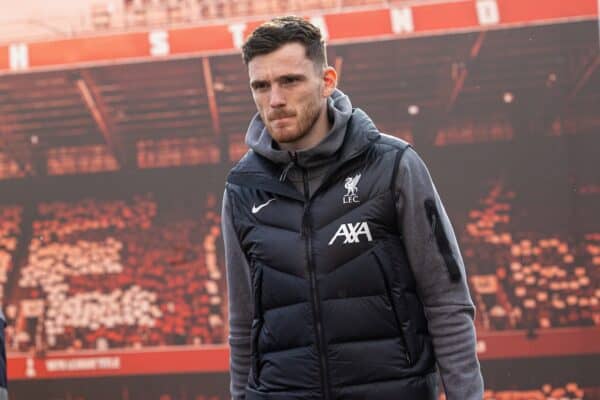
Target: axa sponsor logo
350,184
352,233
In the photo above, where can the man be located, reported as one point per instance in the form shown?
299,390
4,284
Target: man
345,278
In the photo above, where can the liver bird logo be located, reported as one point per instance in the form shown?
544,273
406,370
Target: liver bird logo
350,184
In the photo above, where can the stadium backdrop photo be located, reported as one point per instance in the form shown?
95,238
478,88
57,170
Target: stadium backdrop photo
119,124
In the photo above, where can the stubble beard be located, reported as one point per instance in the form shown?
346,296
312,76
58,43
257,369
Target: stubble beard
306,121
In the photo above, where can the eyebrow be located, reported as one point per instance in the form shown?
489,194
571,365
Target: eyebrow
281,78
293,76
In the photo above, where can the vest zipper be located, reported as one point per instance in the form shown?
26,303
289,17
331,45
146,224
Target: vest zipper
316,309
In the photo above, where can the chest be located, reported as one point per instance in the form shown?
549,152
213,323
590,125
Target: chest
343,220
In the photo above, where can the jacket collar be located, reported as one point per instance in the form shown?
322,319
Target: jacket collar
257,170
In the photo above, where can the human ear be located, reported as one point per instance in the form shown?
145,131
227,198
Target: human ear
329,81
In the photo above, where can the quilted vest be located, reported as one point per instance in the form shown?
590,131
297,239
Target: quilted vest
336,310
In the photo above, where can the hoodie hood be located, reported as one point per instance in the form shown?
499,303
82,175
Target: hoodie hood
339,110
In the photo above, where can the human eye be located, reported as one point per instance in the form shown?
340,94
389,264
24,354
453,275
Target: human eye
289,80
259,86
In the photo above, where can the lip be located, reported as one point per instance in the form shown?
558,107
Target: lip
279,121
280,118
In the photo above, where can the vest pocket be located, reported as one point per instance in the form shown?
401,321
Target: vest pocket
401,323
442,240
257,323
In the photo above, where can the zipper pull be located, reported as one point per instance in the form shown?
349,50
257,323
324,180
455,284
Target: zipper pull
285,171
293,160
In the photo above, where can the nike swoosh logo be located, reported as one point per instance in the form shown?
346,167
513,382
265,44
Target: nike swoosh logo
256,209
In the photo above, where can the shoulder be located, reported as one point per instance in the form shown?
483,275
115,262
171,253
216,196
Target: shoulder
386,143
412,161
391,148
408,157
407,163
247,160
392,142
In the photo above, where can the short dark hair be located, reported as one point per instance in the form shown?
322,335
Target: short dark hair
277,32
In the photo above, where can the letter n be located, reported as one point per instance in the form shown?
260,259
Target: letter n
18,55
402,20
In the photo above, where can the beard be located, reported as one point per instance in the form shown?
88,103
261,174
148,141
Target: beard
305,119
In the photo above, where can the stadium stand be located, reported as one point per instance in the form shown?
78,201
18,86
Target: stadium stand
570,391
101,274
10,228
109,274
525,280
141,12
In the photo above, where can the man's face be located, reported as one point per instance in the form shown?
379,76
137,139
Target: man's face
288,92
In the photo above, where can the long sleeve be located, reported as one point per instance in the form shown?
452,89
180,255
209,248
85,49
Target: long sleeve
240,304
444,293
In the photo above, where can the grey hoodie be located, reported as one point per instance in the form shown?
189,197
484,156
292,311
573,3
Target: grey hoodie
448,305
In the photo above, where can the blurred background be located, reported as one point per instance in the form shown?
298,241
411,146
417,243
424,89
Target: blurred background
120,119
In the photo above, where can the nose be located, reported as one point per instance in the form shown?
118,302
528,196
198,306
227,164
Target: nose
277,98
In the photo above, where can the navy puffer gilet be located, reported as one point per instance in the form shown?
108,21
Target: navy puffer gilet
336,311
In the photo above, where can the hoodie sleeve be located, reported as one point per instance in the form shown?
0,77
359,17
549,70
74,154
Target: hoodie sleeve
239,292
441,280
